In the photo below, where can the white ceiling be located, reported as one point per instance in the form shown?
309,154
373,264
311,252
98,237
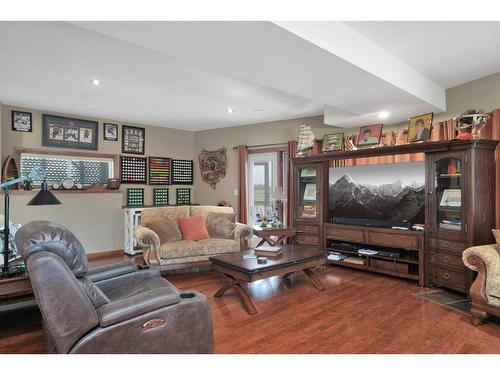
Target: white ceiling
186,74
449,53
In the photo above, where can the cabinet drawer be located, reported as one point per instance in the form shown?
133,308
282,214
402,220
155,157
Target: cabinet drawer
307,239
446,259
403,241
446,277
346,234
307,228
447,245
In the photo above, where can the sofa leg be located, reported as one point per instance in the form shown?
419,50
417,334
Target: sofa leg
478,316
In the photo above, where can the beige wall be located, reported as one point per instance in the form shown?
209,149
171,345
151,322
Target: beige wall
159,142
97,219
256,134
482,93
1,129
99,225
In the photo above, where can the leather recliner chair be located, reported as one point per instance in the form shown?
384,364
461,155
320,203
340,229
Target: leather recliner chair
117,309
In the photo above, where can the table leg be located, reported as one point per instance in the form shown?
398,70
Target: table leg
231,282
314,279
262,242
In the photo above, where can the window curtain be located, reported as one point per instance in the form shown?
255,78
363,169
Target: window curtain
291,152
495,134
243,184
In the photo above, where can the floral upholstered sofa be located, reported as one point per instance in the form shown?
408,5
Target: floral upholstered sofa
485,291
179,253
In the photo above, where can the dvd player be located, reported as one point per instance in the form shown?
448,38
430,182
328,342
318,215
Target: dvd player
372,222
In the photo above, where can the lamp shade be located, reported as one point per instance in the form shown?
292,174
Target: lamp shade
278,194
44,197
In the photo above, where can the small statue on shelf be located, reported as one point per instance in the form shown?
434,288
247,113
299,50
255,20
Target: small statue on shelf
470,123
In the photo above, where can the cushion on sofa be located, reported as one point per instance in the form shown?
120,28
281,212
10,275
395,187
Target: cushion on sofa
166,229
193,228
221,224
208,247
205,210
151,214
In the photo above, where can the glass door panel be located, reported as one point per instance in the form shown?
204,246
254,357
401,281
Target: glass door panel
448,193
262,181
307,193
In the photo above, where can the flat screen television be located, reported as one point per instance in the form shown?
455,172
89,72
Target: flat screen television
394,193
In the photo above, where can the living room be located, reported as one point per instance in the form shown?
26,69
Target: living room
246,186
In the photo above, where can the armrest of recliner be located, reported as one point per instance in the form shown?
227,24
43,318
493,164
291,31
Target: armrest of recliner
109,271
139,304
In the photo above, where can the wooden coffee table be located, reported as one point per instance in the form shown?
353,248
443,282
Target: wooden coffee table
237,271
282,233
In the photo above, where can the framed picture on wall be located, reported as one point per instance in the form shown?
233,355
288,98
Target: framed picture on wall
419,127
110,132
369,135
65,132
333,142
21,121
133,140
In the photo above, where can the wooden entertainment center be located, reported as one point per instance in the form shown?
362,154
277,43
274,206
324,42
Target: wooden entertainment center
432,256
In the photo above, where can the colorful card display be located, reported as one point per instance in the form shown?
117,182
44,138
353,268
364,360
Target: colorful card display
159,170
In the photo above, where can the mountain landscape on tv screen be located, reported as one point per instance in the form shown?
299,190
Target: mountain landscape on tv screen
378,197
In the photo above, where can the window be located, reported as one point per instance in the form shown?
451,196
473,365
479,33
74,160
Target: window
83,170
262,180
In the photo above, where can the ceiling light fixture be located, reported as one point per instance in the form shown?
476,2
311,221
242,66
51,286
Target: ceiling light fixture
229,110
95,82
383,114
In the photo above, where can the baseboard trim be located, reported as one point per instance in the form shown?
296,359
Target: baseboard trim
104,254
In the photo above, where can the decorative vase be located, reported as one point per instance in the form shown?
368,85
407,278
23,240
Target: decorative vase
113,184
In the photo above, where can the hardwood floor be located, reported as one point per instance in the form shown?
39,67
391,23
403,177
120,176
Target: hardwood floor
359,312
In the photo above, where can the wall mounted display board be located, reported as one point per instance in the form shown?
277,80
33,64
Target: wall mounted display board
133,140
133,170
159,171
160,197
183,196
68,132
182,172
135,197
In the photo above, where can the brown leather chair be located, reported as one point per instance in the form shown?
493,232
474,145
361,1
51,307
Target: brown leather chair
117,309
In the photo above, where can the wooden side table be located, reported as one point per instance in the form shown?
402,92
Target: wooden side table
14,288
266,233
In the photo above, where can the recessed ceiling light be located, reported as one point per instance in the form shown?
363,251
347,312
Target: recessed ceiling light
383,114
95,82
229,110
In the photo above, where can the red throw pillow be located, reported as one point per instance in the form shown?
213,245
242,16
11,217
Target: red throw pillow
193,228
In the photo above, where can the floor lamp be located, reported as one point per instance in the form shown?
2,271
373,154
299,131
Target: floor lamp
42,198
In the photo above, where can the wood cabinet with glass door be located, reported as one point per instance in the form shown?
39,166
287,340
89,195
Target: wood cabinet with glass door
307,203
460,209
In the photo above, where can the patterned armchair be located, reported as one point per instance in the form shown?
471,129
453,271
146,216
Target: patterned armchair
183,252
485,291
